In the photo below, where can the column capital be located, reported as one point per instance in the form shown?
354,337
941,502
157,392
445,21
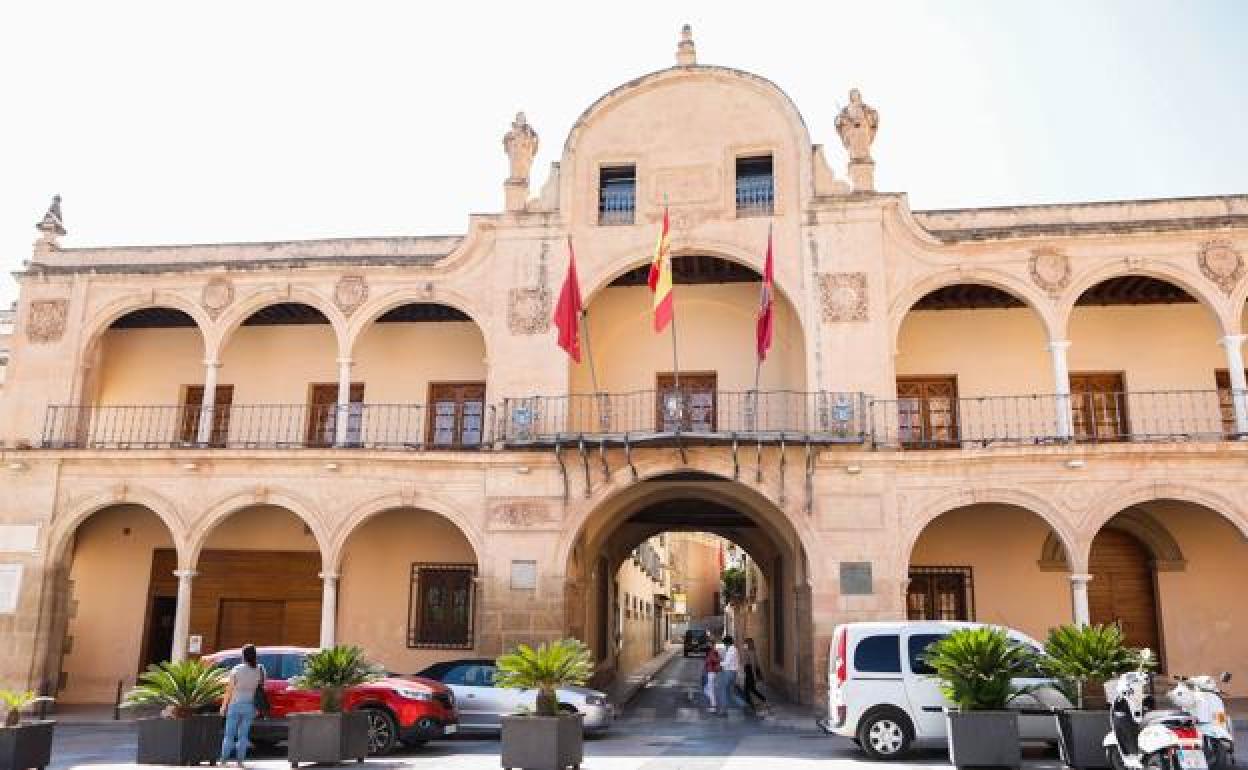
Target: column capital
211,364
184,574
1232,339
345,361
328,576
1080,577
1055,345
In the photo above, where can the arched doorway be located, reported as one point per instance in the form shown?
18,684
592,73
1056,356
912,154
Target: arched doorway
1122,590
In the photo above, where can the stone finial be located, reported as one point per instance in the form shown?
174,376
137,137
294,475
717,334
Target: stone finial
857,124
686,53
520,143
52,226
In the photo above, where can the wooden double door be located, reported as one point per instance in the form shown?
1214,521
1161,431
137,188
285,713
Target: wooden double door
1123,588
688,408
1098,406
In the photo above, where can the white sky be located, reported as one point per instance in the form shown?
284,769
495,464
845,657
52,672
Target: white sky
170,122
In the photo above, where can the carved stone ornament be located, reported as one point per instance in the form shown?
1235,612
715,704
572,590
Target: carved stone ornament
528,310
520,514
1221,263
45,321
1050,270
843,296
217,296
350,292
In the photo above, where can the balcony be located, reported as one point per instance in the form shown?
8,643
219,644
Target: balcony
756,196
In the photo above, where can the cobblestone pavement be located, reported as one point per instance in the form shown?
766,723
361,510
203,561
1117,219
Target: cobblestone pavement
664,728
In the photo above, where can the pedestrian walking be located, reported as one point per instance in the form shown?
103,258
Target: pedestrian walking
239,705
753,675
727,679
710,673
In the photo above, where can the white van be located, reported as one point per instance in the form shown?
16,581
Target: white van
882,695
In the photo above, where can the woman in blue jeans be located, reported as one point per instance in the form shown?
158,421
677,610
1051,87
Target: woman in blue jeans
239,705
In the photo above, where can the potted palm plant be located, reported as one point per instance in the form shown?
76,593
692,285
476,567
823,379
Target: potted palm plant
544,739
180,735
977,668
1083,659
24,744
331,734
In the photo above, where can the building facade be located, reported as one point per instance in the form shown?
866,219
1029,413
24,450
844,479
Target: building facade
1025,415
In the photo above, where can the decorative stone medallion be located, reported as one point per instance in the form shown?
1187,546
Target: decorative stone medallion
45,321
1221,263
1050,270
520,514
350,292
528,310
217,296
843,296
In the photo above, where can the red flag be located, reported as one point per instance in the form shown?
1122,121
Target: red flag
660,250
765,310
568,310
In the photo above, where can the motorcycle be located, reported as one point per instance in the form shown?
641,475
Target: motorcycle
1201,698
1146,739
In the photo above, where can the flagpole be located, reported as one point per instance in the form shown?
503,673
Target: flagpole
589,351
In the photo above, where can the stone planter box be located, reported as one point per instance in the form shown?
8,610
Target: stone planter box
180,741
1082,732
984,739
26,745
332,738
543,743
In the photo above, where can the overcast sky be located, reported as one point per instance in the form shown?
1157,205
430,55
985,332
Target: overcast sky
172,122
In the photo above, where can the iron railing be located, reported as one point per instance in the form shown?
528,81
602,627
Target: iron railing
617,206
708,414
756,196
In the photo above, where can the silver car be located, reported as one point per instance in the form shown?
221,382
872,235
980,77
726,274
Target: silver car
482,705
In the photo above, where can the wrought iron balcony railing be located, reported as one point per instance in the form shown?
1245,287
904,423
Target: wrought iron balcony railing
617,206
756,196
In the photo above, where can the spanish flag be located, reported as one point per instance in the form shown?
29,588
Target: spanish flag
660,278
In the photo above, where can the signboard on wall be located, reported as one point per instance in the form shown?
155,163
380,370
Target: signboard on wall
10,587
18,538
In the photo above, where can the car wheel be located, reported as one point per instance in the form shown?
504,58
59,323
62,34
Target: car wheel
885,734
383,733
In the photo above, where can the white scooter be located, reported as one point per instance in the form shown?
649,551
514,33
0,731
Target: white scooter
1201,697
1144,739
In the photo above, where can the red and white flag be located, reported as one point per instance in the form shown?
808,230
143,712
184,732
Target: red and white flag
766,315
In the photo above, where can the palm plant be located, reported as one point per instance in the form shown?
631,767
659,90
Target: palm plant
977,667
333,670
546,669
15,702
184,686
1082,656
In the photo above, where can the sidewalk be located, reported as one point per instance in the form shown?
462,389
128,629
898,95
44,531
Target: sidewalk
625,688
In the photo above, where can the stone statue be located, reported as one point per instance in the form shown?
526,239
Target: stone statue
857,125
52,224
521,145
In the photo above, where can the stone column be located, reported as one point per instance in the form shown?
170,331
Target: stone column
182,614
344,402
329,608
1233,343
208,404
1061,387
1079,596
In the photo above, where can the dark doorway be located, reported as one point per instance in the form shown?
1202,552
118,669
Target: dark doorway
160,630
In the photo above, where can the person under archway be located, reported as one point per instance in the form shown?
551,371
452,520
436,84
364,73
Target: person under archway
753,675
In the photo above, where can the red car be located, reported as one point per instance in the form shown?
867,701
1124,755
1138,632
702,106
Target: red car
410,710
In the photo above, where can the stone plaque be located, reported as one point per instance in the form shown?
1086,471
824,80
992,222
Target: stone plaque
528,311
843,296
856,578
18,538
10,587
45,321
524,575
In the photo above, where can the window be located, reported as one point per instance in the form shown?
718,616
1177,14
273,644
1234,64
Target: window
691,408
1222,378
927,412
440,606
1098,406
878,655
470,674
457,414
617,195
292,665
756,186
192,409
918,645
940,593
323,414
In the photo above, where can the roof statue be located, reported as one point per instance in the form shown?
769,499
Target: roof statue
857,125
521,145
52,225
686,54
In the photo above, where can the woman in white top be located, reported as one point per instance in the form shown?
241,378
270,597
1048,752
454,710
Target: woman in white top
239,705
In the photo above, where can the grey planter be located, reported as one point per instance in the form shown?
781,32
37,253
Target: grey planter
25,746
543,743
984,739
333,738
1082,732
180,741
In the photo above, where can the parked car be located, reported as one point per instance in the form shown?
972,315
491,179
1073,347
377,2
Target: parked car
697,641
882,695
482,704
407,710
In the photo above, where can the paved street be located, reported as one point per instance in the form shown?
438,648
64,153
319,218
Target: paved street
664,728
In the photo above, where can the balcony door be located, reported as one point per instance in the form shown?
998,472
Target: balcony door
1226,402
689,408
323,414
193,407
1098,405
927,411
457,414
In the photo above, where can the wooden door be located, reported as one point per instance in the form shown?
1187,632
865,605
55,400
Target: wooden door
927,412
692,407
1222,379
1122,589
456,414
248,621
323,414
1098,406
939,593
193,407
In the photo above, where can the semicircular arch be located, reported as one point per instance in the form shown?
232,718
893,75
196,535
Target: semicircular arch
61,533
229,323
393,501
1196,286
235,502
103,319
366,316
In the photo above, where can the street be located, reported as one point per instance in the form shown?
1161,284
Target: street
664,728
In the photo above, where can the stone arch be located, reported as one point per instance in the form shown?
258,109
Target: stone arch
223,331
364,318
103,319
62,531
226,507
1198,287
1140,524
362,513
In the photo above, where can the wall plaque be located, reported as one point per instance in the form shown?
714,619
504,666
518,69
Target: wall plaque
856,578
18,538
524,575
